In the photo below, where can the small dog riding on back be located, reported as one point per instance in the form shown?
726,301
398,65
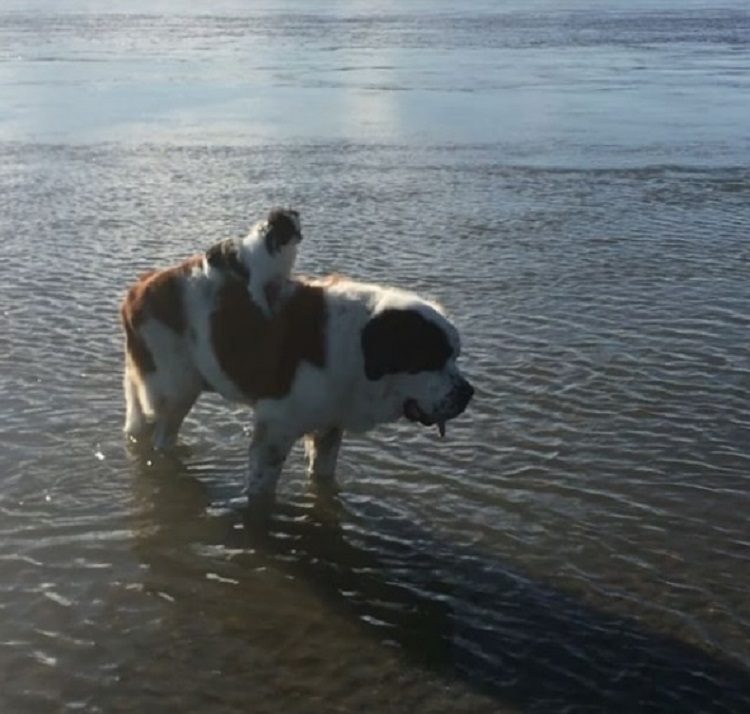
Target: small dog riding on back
263,259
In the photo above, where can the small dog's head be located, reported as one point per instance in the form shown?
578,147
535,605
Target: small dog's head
282,228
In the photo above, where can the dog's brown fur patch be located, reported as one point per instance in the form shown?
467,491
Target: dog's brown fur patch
261,356
157,294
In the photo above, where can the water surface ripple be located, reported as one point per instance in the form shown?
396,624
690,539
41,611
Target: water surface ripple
579,542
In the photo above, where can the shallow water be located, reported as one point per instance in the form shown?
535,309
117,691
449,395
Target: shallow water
573,185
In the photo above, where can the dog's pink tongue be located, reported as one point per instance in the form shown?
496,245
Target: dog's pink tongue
441,428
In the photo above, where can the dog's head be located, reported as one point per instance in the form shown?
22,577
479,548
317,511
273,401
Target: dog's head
414,349
281,230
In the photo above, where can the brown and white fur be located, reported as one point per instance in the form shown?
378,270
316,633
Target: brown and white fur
264,258
336,355
262,262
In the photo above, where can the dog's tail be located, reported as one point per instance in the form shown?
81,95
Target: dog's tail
140,408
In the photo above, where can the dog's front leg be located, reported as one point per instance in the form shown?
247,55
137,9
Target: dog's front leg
269,448
322,449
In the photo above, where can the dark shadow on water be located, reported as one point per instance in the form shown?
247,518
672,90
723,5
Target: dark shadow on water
451,609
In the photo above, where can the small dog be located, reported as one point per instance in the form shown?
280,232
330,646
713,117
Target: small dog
263,259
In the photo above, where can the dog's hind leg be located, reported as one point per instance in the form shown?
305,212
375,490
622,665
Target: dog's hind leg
158,402
167,395
169,415
322,449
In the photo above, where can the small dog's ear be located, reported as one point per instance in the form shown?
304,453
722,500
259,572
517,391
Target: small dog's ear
283,227
402,341
225,256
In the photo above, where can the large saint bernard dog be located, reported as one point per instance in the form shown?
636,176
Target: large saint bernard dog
317,358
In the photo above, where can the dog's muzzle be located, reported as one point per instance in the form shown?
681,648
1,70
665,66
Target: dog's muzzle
464,393
455,404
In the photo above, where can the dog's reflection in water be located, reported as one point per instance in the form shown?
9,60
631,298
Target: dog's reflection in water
448,608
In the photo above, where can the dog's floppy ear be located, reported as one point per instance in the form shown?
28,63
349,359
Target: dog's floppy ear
225,256
403,341
283,226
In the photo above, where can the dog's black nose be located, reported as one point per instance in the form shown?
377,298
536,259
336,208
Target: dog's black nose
465,393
